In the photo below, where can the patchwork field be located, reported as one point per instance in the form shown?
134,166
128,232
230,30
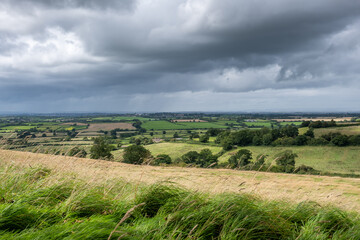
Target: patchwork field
342,192
94,127
165,125
314,119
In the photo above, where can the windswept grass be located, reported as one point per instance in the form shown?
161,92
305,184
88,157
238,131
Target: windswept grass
37,203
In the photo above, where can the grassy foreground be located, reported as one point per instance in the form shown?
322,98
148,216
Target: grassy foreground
37,203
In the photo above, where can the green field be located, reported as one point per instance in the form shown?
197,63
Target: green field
119,118
176,150
351,130
323,158
258,124
290,123
165,125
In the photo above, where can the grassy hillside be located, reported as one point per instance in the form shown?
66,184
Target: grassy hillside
323,158
350,130
43,203
342,192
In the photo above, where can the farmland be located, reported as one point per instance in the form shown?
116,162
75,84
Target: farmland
94,127
323,158
349,130
165,125
84,198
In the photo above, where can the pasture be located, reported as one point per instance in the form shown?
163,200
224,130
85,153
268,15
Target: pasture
324,158
350,130
95,127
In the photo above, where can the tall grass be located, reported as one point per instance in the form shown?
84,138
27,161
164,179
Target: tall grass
39,204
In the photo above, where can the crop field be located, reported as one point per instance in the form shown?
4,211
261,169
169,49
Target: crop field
20,127
119,118
94,127
350,130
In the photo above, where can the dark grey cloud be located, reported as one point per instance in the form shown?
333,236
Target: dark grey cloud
81,50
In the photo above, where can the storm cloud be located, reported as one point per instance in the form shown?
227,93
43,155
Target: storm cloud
180,55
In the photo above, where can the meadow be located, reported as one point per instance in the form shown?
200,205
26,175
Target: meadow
349,130
58,197
323,158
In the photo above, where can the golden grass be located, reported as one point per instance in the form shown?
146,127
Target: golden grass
341,192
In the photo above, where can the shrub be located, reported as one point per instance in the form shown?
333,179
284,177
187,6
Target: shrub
136,154
341,141
203,159
240,159
162,159
204,138
286,161
101,149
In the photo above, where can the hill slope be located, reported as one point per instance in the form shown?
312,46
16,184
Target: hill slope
341,192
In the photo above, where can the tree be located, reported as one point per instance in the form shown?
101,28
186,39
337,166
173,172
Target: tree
206,158
267,139
176,135
113,134
136,154
260,161
204,138
340,140
286,161
240,159
289,131
257,140
310,133
301,140
190,157
203,159
162,159
101,149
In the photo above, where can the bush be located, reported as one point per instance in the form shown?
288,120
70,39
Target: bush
203,159
162,159
136,154
204,138
240,159
101,149
341,141
286,161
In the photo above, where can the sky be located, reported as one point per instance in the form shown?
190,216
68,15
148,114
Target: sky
179,55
